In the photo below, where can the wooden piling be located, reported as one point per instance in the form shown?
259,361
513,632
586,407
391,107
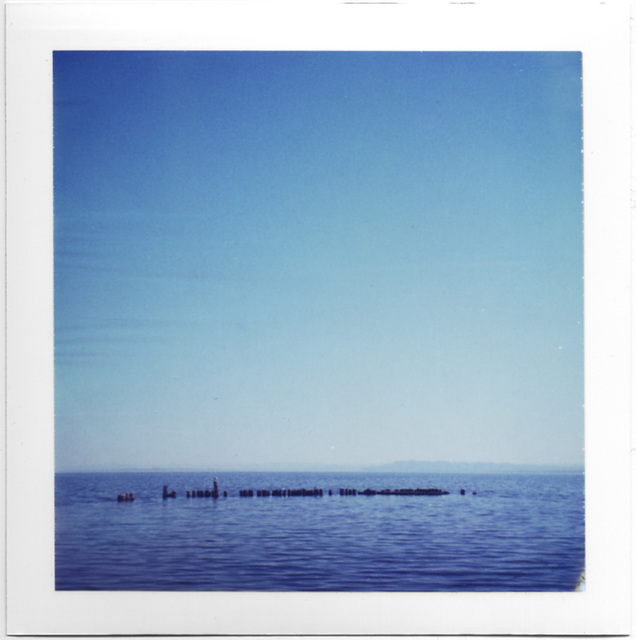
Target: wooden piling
318,492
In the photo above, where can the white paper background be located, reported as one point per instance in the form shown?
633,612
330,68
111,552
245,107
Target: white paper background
599,29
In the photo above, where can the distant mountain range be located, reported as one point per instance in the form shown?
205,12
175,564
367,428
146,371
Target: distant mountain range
415,466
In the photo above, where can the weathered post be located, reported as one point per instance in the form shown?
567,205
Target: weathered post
216,493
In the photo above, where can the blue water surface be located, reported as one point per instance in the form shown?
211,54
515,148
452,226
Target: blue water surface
518,533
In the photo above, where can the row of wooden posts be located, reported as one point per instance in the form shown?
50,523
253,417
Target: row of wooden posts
396,492
196,493
282,493
204,493
316,492
263,493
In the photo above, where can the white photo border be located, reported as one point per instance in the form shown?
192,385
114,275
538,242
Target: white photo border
600,30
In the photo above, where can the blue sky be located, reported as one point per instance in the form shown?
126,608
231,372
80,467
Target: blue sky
285,258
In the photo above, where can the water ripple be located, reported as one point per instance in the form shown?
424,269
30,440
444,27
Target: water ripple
518,534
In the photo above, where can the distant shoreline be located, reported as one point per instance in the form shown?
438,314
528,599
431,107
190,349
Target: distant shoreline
393,467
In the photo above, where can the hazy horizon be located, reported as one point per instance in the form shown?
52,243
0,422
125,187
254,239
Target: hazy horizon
398,466
317,258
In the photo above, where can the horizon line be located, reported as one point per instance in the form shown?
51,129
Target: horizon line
333,468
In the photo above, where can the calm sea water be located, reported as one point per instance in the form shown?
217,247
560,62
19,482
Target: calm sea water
518,533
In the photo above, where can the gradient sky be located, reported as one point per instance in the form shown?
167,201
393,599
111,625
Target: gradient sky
267,258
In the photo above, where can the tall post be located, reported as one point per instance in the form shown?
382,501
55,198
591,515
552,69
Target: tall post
216,493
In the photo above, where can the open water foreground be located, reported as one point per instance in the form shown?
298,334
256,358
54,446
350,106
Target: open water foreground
517,533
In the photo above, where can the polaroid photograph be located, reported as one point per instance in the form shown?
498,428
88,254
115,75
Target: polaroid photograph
317,320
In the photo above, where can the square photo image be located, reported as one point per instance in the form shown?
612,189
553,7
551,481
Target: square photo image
318,321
